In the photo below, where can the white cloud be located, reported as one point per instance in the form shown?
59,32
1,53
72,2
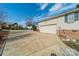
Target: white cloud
64,7
43,6
56,7
38,18
68,7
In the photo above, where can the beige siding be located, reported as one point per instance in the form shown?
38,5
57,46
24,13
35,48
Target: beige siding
59,23
48,26
63,25
52,21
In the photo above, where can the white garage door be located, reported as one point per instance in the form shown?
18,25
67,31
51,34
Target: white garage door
48,29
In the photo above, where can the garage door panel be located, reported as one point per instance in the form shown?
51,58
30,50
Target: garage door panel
48,29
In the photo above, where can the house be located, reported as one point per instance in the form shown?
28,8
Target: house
29,27
65,21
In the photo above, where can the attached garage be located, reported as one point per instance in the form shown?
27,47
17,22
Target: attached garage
48,26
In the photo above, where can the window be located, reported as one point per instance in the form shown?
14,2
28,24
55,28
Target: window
69,18
76,16
66,18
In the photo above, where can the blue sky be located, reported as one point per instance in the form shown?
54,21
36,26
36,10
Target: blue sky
21,12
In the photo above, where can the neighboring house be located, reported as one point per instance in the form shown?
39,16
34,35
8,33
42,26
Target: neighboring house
29,27
65,21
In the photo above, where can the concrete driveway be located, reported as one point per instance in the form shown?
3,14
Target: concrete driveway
37,44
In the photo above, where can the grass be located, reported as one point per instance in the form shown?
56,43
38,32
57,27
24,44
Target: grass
73,45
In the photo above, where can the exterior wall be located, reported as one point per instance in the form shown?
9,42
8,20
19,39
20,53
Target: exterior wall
58,23
71,34
71,26
52,21
48,26
68,31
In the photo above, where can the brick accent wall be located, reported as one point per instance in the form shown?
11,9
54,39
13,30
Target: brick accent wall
73,34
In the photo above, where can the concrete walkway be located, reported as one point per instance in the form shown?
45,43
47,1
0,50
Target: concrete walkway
38,44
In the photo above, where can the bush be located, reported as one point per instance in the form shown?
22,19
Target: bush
34,27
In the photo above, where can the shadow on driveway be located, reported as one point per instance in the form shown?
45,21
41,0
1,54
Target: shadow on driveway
19,37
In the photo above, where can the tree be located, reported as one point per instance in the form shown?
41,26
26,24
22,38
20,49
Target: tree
77,6
29,23
2,17
4,25
15,26
20,27
9,26
34,27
